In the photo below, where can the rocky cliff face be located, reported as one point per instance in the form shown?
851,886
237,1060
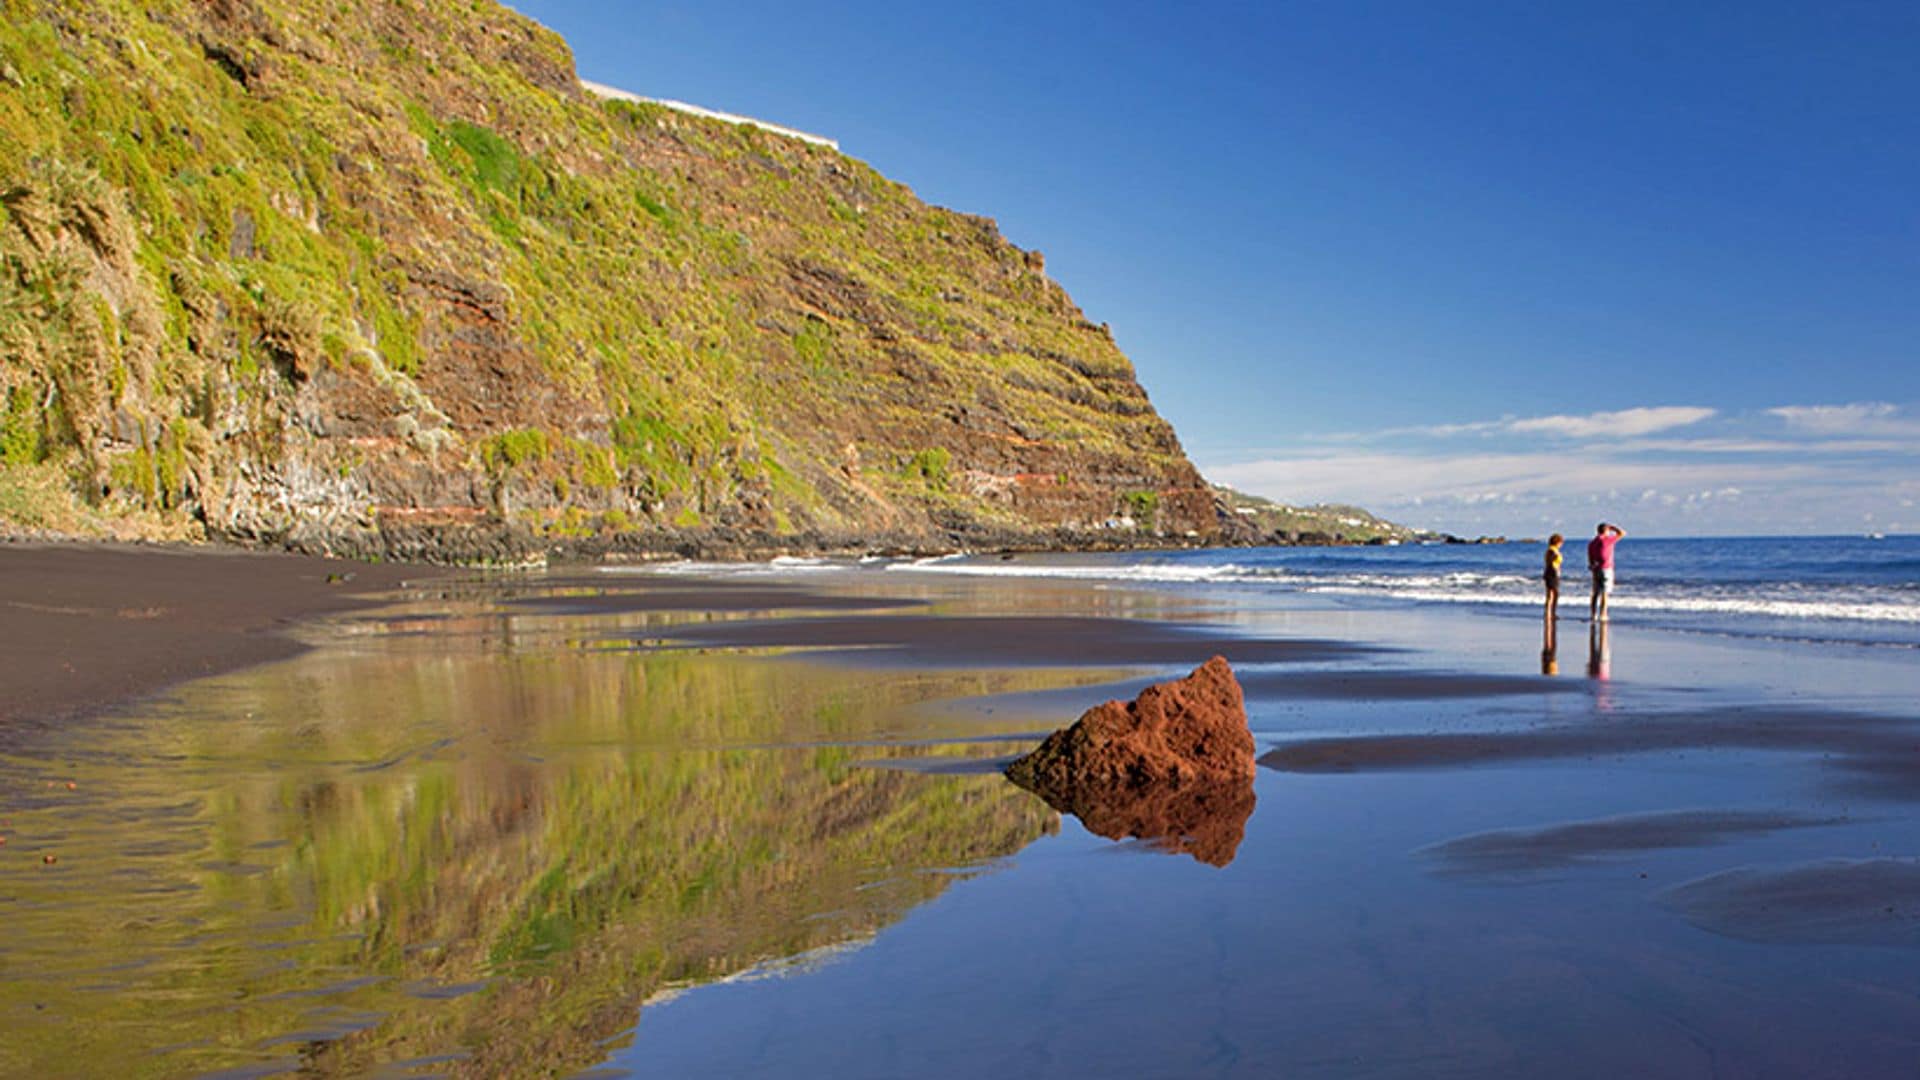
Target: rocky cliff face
381,277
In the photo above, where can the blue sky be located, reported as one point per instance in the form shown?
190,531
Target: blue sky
1485,267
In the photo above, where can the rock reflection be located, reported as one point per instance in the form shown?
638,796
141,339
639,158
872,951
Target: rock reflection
1204,820
1174,766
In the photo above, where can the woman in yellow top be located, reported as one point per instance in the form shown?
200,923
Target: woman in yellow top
1552,575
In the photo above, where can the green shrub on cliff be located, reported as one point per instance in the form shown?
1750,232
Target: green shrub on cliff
1141,506
496,164
512,449
20,433
931,466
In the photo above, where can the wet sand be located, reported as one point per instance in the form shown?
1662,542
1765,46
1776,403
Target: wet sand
89,626
1825,902
543,835
604,594
1413,685
1020,640
1515,851
1870,753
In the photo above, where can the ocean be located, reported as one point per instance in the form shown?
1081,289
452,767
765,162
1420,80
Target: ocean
1835,589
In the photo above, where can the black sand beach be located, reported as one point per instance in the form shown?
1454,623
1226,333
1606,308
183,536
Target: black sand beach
743,825
88,626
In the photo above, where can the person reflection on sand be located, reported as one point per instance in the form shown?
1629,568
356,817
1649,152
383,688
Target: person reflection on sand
1550,650
1599,653
1600,660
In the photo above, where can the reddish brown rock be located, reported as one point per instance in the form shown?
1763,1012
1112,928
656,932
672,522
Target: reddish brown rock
1174,765
1174,733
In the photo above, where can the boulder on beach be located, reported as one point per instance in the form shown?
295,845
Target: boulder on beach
1175,765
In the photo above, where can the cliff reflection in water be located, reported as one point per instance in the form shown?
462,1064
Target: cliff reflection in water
497,852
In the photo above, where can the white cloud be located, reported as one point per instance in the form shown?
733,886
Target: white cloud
1644,420
1795,468
1444,430
1763,446
1523,493
1623,424
1860,418
1832,417
1390,479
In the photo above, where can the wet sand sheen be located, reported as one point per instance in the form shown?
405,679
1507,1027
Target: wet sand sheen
88,626
987,640
1874,753
355,859
1553,847
1828,901
514,853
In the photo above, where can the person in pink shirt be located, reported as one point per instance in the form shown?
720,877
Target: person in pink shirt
1600,561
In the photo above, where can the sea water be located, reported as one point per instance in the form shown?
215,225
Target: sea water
1837,589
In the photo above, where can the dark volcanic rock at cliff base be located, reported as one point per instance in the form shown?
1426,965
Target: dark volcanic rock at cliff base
1175,765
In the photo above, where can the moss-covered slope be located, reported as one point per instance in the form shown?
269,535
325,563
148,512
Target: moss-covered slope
383,277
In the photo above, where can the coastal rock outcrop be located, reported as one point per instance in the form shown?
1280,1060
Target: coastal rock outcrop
1175,766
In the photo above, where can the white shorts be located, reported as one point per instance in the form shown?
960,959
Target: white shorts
1603,579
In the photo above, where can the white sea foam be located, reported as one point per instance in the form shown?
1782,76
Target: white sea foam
1784,601
1452,587
801,563
1224,573
781,566
966,566
1837,607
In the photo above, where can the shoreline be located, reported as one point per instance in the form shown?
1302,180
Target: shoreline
97,624
514,546
92,625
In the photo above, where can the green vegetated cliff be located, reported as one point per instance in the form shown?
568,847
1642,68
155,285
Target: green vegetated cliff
381,277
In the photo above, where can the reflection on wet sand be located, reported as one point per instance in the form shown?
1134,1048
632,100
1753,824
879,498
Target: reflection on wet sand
483,838
1204,820
1599,652
1829,901
1552,847
363,857
1873,754
998,640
